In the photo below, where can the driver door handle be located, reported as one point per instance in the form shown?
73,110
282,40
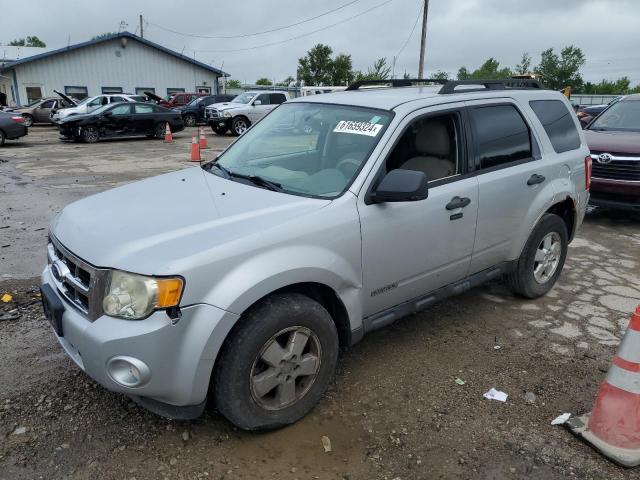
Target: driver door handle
535,179
458,202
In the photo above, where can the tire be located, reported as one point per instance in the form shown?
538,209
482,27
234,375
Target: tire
534,277
90,134
28,120
239,125
159,130
282,397
2,138
189,120
218,130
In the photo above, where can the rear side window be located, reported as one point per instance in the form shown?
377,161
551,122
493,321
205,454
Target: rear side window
277,98
558,123
143,108
502,136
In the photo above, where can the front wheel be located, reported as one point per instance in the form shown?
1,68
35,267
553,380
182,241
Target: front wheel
2,138
28,120
160,130
542,259
218,130
189,120
239,126
90,134
277,363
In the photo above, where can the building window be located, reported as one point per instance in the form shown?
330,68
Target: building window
79,93
141,90
33,94
106,90
171,91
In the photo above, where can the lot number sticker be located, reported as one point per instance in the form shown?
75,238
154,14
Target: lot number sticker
358,128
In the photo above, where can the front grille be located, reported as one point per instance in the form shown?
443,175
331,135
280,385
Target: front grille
214,113
621,167
77,281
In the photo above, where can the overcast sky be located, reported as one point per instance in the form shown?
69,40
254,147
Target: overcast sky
461,32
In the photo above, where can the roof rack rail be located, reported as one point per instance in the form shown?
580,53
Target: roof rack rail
509,84
395,82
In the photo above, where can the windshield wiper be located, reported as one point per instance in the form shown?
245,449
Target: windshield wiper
208,166
258,180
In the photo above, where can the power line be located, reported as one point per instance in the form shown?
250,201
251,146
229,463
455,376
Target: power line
411,33
299,36
244,35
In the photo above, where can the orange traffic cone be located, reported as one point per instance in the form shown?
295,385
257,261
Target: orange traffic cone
168,137
195,150
203,139
613,427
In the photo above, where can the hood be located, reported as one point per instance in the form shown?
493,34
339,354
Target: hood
155,225
613,141
154,97
74,118
226,105
65,97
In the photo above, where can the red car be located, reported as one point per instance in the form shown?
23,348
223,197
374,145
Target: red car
614,140
175,100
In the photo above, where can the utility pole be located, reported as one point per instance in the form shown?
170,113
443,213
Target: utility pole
423,39
141,32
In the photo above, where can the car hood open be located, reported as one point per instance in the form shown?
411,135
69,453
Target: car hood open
155,225
612,141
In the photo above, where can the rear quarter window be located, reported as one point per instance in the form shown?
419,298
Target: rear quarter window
558,122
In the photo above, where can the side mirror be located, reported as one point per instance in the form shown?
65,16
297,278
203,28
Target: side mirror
401,186
257,102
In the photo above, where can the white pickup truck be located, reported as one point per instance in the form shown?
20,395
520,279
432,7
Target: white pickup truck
243,111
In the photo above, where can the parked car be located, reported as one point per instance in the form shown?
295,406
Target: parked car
40,110
122,119
587,113
332,217
12,126
193,112
243,111
614,140
90,104
175,100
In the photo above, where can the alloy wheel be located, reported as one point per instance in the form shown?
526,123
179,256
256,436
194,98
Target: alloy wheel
547,257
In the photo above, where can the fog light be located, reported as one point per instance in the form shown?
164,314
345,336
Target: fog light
128,371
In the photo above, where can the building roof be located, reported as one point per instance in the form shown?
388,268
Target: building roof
96,41
11,53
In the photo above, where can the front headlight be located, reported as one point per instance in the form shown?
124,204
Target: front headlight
226,114
133,296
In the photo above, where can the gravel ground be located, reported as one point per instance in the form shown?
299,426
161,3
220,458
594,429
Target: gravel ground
395,409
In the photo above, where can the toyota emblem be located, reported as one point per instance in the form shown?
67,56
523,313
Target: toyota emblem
605,158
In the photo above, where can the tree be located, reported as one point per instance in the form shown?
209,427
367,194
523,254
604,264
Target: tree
378,71
440,75
525,64
621,86
316,67
286,82
234,83
28,42
342,73
489,70
103,35
264,81
559,72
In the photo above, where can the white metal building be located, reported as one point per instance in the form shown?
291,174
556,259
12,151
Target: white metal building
119,63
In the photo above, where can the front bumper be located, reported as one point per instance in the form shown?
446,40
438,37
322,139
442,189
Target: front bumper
180,355
620,194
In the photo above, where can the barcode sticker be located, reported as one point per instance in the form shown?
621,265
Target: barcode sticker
358,128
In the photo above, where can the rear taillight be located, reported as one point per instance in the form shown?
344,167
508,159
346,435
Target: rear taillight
587,172
17,119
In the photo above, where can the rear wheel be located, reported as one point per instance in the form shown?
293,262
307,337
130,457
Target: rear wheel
90,134
28,120
189,120
239,126
277,363
2,138
542,259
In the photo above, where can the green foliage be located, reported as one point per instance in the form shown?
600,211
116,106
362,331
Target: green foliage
621,86
440,75
525,64
234,83
286,82
103,35
489,70
264,81
28,42
316,67
562,71
342,73
378,71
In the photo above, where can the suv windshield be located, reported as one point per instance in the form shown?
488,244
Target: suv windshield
623,115
243,98
308,149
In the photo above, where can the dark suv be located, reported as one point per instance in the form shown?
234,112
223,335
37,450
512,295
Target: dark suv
614,140
193,112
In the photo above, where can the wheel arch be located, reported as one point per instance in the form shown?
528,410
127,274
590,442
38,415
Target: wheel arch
566,209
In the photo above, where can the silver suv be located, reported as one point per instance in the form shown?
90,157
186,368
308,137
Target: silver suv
334,216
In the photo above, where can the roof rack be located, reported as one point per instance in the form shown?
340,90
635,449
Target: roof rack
396,82
509,84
